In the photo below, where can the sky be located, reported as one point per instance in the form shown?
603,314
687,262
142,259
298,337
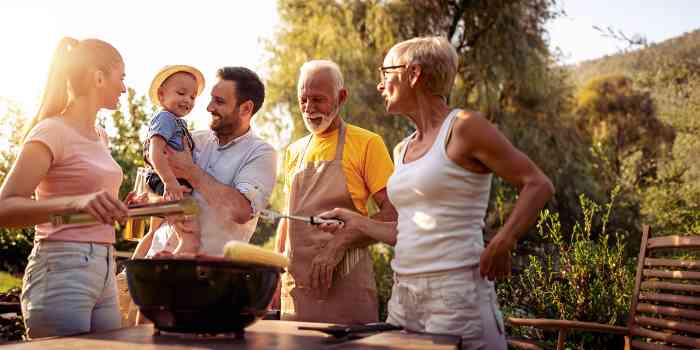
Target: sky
210,34
148,33
657,20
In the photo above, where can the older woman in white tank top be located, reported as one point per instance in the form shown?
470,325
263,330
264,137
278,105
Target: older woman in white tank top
440,188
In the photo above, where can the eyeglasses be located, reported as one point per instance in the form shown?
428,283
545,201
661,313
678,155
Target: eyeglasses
386,69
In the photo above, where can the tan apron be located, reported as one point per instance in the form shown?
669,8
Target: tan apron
352,298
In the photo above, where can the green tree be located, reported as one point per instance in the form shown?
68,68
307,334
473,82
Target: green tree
125,130
15,244
126,141
622,121
506,72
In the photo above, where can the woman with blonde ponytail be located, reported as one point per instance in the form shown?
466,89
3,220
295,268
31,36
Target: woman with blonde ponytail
65,165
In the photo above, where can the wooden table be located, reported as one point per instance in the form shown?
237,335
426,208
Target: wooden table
264,334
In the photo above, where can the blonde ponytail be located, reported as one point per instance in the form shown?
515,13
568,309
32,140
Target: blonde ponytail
55,96
69,74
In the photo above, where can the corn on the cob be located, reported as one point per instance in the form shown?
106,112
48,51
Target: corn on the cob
248,253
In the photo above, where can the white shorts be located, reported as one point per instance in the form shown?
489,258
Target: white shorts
457,302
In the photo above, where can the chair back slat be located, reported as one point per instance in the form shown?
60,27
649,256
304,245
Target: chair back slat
687,275
689,264
668,324
668,311
674,242
650,346
671,298
695,288
666,299
666,337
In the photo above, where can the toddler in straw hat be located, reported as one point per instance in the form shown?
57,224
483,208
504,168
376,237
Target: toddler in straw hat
174,89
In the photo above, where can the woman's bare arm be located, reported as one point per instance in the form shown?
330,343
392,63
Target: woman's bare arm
475,139
19,209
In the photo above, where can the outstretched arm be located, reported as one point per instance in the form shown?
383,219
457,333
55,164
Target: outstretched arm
347,239
356,224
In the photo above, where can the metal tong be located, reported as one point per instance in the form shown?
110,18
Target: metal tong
186,206
312,220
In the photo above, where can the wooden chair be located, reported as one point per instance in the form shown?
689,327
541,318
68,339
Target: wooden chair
665,310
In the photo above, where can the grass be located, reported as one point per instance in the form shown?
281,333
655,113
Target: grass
8,281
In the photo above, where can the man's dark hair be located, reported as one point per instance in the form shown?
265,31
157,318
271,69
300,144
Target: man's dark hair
248,85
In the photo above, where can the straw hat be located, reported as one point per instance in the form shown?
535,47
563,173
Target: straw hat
166,72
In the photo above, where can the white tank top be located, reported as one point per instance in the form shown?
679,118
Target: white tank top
441,209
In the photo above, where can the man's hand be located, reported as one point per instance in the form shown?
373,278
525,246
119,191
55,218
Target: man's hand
181,164
495,261
323,265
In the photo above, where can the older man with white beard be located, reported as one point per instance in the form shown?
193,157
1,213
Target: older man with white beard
330,278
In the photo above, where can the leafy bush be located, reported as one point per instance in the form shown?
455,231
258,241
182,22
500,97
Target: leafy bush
383,275
15,245
589,278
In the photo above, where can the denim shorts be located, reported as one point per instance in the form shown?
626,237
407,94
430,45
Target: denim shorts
69,288
457,302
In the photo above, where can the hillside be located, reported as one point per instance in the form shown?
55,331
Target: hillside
683,48
669,72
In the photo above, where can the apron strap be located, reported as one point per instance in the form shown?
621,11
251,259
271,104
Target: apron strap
301,162
341,141
338,148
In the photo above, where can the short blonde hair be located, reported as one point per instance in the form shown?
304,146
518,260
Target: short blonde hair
437,58
318,65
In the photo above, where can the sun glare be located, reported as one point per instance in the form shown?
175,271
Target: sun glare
28,37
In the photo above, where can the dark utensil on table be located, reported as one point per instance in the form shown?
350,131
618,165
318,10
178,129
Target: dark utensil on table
313,220
201,296
342,331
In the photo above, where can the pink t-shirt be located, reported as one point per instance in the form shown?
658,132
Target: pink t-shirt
80,166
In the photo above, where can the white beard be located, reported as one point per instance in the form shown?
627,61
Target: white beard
326,121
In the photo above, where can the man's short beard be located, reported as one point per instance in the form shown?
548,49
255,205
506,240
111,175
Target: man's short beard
227,126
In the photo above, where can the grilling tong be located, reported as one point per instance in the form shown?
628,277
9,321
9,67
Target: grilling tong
187,206
313,220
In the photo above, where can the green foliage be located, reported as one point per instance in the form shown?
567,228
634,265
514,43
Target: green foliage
15,245
352,33
670,73
622,121
8,282
585,278
506,72
382,255
126,145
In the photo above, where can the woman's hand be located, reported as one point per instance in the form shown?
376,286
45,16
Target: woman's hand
355,226
495,262
101,205
349,220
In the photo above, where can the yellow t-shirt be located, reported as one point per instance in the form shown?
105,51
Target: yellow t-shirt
366,162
